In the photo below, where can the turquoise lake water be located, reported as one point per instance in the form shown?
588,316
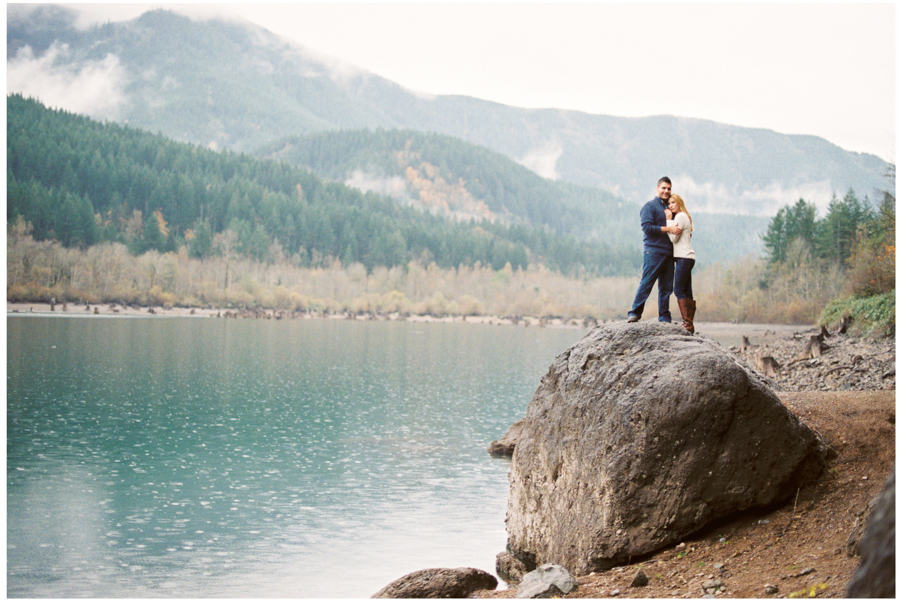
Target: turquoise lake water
189,457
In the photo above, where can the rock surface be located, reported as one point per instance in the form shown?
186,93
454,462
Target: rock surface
849,364
876,575
547,581
438,583
640,435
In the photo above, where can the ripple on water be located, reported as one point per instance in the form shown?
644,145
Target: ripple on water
203,458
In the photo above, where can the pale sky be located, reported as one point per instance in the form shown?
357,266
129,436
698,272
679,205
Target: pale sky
827,69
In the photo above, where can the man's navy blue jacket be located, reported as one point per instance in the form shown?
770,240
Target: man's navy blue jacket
653,218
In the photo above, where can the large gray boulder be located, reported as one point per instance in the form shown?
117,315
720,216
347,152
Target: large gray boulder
438,583
640,435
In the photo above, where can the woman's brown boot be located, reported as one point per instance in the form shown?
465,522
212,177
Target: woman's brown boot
687,307
691,310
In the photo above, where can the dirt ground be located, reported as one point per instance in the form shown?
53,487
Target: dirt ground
802,548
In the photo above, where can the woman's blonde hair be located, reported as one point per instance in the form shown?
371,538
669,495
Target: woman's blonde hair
681,208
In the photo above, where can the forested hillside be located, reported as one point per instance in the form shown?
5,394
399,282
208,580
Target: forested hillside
82,182
447,176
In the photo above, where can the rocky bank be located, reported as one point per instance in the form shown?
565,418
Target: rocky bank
843,389
640,435
842,363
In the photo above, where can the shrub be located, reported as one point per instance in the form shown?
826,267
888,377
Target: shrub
873,268
872,316
394,302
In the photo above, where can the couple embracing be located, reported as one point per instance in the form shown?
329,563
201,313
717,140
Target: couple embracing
668,256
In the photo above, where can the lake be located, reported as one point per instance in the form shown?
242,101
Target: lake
188,457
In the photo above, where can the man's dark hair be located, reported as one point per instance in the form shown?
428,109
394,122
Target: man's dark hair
664,179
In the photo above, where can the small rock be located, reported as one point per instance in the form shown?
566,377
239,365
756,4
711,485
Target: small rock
770,589
509,568
680,546
438,583
546,581
614,593
640,579
507,444
806,571
763,522
719,566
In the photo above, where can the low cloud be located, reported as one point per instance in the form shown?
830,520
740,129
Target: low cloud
715,197
394,187
543,161
93,88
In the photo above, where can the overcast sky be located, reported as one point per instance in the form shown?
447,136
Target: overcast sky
807,68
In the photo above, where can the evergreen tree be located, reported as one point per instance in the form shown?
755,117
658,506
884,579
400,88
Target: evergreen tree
200,244
837,233
152,237
790,223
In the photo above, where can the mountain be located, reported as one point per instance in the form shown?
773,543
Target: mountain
236,86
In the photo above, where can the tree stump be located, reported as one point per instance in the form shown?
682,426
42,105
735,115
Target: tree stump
745,344
845,323
768,366
813,349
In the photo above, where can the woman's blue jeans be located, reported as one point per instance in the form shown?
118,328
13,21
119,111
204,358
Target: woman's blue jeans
660,269
683,288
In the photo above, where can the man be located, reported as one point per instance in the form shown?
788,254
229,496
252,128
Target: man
659,265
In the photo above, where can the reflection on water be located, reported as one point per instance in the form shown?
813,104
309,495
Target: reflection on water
212,458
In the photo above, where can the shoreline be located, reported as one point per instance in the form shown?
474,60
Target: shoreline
713,330
108,310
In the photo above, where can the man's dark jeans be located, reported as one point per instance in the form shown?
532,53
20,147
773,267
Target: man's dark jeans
660,269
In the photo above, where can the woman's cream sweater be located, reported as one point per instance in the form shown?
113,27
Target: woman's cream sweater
681,244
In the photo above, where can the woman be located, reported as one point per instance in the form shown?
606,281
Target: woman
677,214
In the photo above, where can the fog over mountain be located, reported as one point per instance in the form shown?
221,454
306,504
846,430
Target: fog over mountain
229,85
